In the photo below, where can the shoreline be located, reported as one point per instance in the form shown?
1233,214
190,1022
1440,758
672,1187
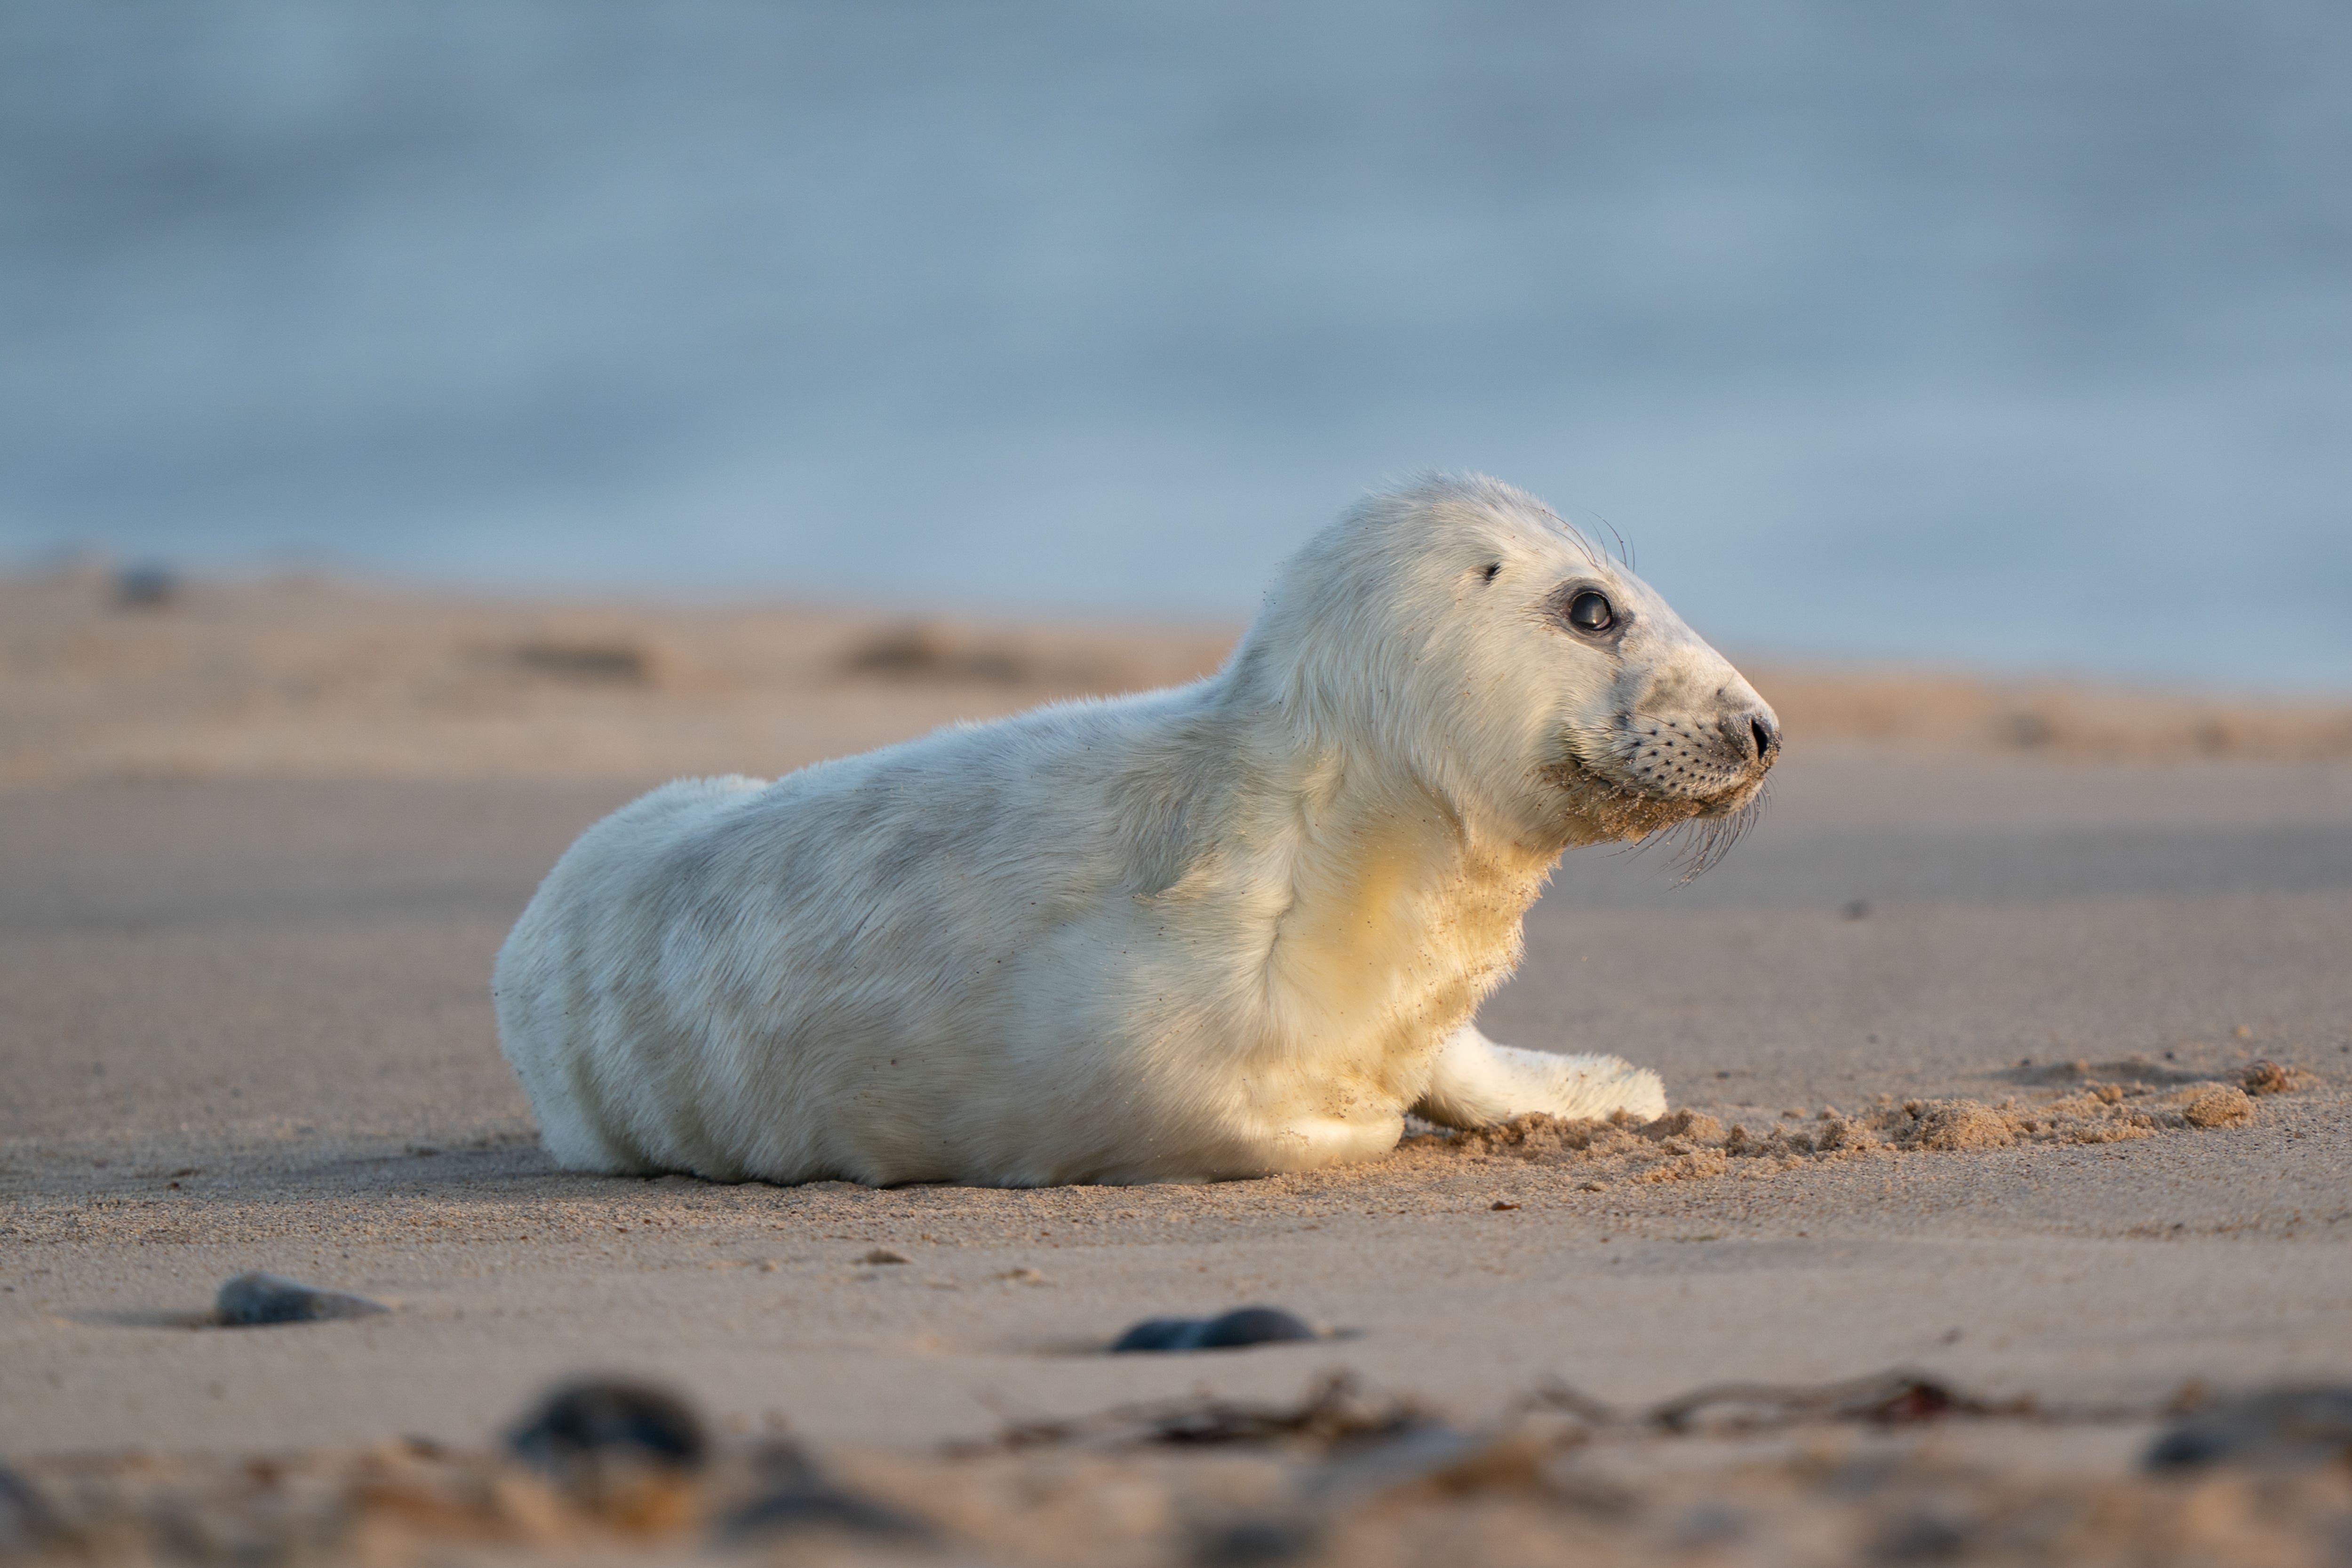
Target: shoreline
304,678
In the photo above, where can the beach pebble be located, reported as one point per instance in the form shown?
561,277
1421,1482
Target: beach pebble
145,587
808,1502
1925,1535
599,1417
1244,1326
26,1521
794,1494
1256,1543
2279,1427
254,1299
881,1254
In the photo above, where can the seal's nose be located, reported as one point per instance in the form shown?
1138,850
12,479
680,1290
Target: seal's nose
1756,732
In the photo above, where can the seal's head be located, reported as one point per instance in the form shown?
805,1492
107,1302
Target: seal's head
1482,645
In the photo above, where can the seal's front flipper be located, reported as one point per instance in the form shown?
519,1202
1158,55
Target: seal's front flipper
1478,1083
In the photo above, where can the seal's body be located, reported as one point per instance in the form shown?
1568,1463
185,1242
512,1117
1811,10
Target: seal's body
1233,928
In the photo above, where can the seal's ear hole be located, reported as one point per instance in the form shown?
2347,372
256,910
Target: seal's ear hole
1488,574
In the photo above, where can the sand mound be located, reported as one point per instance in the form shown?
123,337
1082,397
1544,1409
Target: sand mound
2275,1078
1686,1144
2259,1077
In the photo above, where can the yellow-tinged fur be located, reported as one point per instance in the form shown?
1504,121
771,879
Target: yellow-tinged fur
1237,928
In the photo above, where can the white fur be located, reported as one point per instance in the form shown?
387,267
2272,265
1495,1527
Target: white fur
1235,927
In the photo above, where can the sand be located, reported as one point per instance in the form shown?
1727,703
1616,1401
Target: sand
311,678
258,845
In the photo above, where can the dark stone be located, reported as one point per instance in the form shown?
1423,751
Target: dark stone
1162,1334
250,1301
1255,1543
26,1521
818,1505
619,663
1923,1538
1254,1325
2279,1427
145,587
1709,1524
598,1416
1244,1326
795,1495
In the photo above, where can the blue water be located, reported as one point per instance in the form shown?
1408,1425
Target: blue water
2016,334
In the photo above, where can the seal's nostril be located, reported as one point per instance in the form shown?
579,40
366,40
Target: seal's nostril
1768,739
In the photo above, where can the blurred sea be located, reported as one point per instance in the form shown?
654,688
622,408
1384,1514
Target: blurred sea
2015,334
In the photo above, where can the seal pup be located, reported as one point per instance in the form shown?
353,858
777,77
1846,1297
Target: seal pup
1232,928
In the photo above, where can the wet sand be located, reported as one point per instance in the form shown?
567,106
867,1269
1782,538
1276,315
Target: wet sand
244,1023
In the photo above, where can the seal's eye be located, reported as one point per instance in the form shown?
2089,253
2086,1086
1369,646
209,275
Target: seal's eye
1589,612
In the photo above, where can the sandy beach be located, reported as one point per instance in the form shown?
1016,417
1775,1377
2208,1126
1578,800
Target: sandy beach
260,843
